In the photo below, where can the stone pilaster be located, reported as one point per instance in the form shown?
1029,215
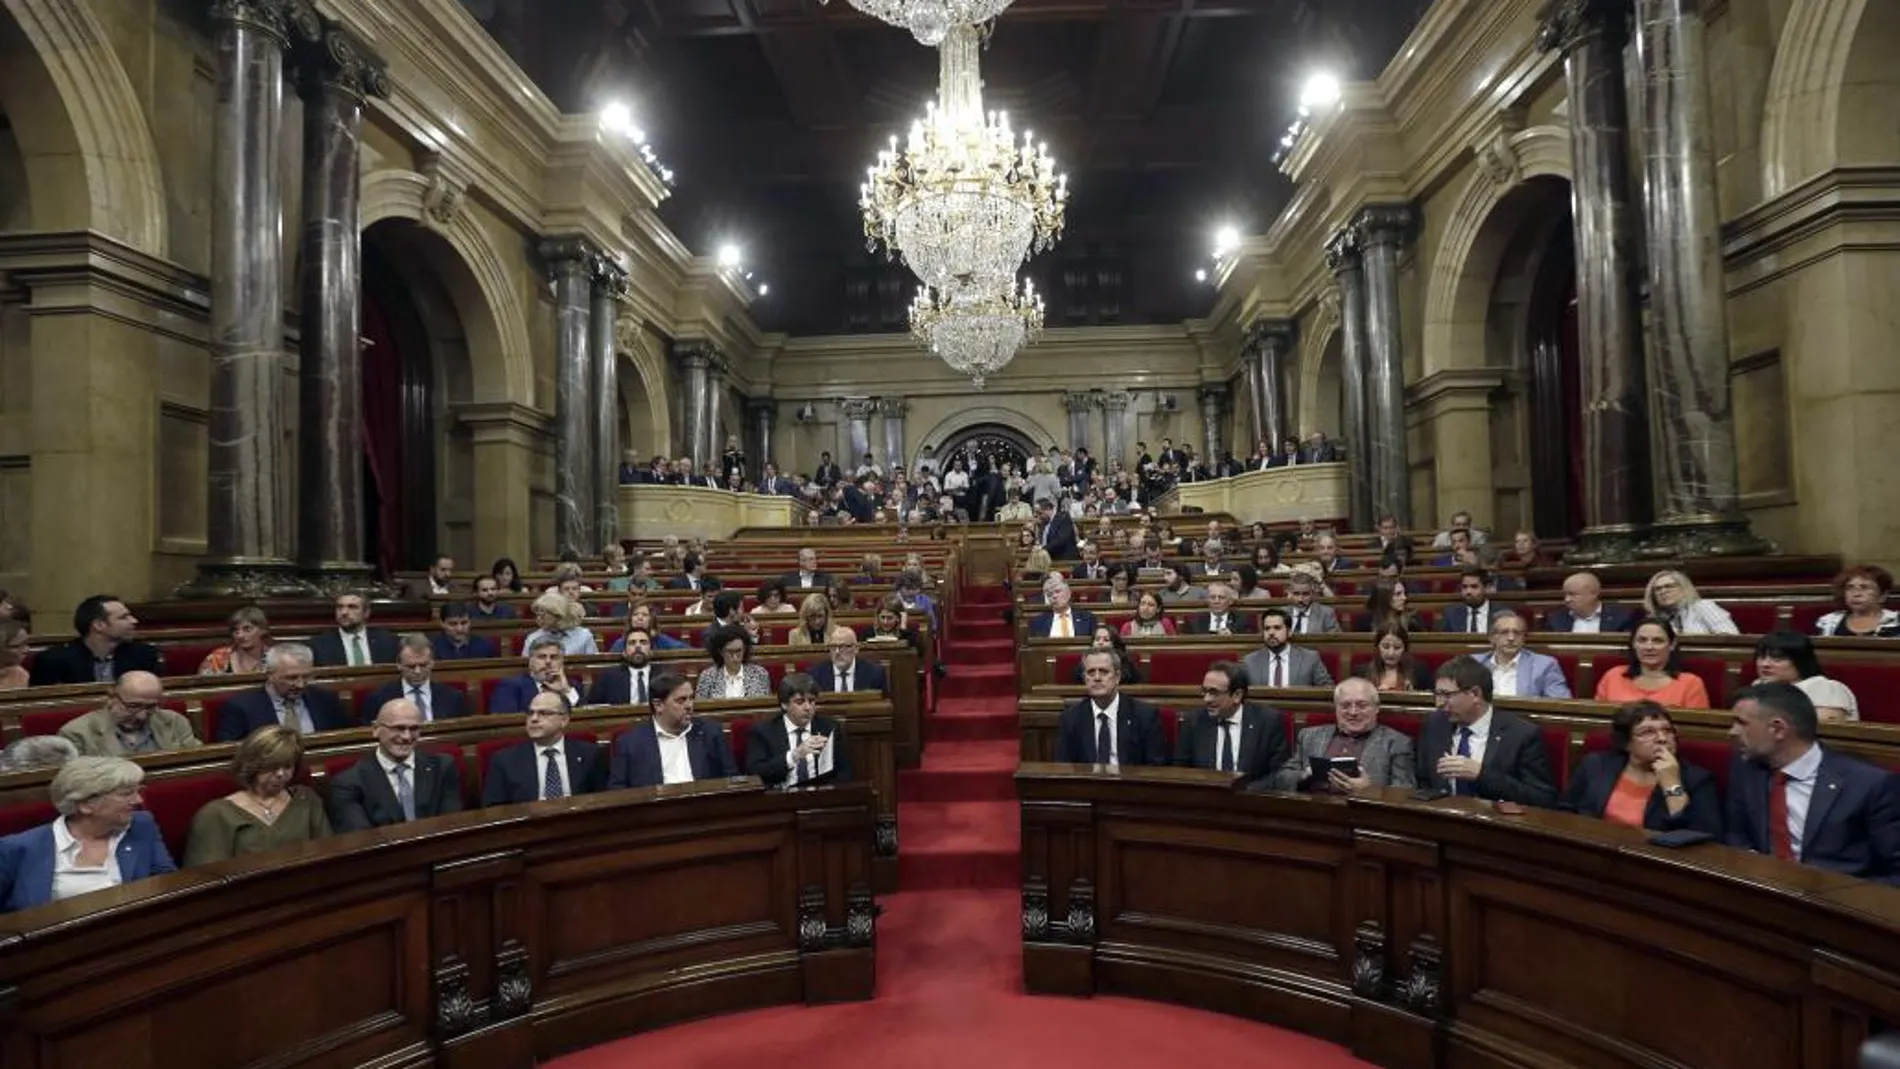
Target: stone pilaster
1343,257
857,413
1114,420
1383,231
570,262
696,358
893,409
763,414
1213,397
1081,408
718,372
1273,344
609,285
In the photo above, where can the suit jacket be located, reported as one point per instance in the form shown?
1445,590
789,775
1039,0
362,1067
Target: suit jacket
445,702
97,735
1137,733
1515,768
1595,780
1320,619
514,775
420,589
826,474
1082,571
1303,668
1257,753
859,504
777,484
1538,676
71,663
820,582
1202,623
512,695
1853,823
679,582
1323,453
361,796
1082,619
326,647
1060,539
614,686
246,712
1458,617
26,861
1386,758
477,649
636,761
865,675
1609,618
766,745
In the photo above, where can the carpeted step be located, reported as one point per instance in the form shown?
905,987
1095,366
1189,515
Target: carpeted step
985,651
983,595
987,626
996,682
963,771
972,720
959,844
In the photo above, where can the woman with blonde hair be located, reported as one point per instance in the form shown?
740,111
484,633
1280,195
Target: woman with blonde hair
558,617
250,640
814,622
1037,565
267,810
1671,596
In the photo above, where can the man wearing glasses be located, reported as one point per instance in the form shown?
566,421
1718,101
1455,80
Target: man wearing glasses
1231,734
398,782
844,672
132,721
1469,748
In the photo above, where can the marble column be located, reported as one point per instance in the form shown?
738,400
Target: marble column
1256,402
763,412
1081,407
893,409
1592,36
1114,418
609,281
857,413
1213,404
1274,340
335,75
571,263
1700,514
1342,256
714,420
696,359
248,539
1383,230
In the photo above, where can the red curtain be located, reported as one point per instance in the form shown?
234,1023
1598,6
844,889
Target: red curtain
382,431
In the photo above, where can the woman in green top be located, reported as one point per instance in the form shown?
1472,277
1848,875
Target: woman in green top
267,810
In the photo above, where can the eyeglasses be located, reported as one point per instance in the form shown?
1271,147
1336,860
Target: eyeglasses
1446,695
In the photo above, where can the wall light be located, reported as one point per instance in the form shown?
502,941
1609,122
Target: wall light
728,255
1322,90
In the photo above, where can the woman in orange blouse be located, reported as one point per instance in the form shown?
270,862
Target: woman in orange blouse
250,639
1640,783
1656,662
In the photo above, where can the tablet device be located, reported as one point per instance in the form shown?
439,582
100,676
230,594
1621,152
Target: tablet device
1320,766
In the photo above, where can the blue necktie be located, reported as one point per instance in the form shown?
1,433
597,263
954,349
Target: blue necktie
405,794
1464,750
1104,744
551,783
1226,746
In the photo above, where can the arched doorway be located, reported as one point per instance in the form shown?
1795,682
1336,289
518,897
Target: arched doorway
1328,413
994,443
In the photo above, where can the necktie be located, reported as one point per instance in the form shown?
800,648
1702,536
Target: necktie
405,794
804,763
1464,750
1471,621
640,685
1299,622
421,698
551,782
1226,745
1104,743
1778,835
1278,675
1062,626
1220,625
844,683
356,649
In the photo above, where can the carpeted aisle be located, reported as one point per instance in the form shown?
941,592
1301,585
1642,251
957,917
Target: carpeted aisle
949,952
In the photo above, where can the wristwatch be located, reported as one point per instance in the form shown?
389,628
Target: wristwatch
1675,792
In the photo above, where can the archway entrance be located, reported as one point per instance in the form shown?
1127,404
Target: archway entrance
988,443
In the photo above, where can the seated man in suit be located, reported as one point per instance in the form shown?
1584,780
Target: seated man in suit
438,583
690,571
416,662
1230,734
1220,617
845,671
105,649
547,670
1462,553
1212,565
630,682
488,604
1109,728
457,641
797,746
1062,620
1091,566
133,720
398,782
1278,663
1584,611
353,642
806,577
1472,615
1326,553
1840,814
1307,615
547,765
672,747
1515,671
1469,748
1384,755
286,698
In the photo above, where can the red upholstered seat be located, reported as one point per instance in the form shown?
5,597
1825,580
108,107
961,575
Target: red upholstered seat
183,658
1804,615
775,670
1557,748
1874,686
1572,666
1432,659
1184,667
488,692
1066,666
607,636
736,731
1170,728
1409,723
173,802
49,721
1335,662
1714,673
486,749
19,818
1428,619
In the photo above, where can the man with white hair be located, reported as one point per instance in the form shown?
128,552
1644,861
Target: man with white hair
286,698
36,752
1353,752
1062,620
101,838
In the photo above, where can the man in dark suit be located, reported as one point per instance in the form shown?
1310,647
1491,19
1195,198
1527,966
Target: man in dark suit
827,472
1584,610
1062,620
1792,798
798,745
692,567
672,747
771,482
1057,533
631,681
806,578
547,670
1472,615
105,649
1229,734
457,640
1108,727
286,698
860,499
845,671
416,662
1220,617
547,765
1469,748
397,783
438,583
353,642
1318,450
1091,566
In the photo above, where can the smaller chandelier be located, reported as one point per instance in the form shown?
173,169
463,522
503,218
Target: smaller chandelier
930,20
976,331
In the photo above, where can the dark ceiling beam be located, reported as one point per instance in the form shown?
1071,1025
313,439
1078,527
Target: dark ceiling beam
1155,69
808,66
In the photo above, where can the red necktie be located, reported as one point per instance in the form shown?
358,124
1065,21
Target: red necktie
1778,836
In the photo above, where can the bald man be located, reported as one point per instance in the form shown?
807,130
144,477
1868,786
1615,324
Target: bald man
132,721
1584,611
398,783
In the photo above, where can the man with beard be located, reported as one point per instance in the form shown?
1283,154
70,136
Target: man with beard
630,683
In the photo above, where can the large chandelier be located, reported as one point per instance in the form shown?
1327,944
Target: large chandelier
930,21
962,203
976,333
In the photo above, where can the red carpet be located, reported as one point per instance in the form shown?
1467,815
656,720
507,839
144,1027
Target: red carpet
949,949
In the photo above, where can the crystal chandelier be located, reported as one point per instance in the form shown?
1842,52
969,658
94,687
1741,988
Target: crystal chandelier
961,202
930,21
976,333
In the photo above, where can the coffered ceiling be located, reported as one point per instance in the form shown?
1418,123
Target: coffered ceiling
1165,114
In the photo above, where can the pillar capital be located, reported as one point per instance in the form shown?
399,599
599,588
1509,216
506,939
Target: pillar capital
857,409
1114,400
893,407
1077,402
1565,24
695,353
1385,224
757,407
330,58
568,253
272,17
1275,335
609,275
1342,250
1213,396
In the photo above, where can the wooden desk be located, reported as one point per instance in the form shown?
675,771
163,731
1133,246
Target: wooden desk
482,939
1422,935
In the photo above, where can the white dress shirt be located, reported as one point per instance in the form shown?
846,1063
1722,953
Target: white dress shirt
353,641
1113,711
805,580
1061,625
821,762
541,752
70,877
1801,773
1587,625
844,679
572,695
1478,620
1276,668
735,685
420,695
389,772
1503,678
676,763
1480,735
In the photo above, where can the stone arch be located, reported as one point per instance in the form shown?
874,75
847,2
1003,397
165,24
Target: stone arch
964,419
494,324
642,389
80,125
1319,338
1831,90
1474,241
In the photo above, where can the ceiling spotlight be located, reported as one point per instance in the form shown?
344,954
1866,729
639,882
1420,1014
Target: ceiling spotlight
1200,275
1225,239
728,255
1322,90
764,289
618,118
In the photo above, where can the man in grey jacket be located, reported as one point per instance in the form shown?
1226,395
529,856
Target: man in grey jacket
1308,615
132,721
1279,664
1384,755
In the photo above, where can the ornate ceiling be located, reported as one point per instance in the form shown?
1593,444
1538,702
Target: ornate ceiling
1165,114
